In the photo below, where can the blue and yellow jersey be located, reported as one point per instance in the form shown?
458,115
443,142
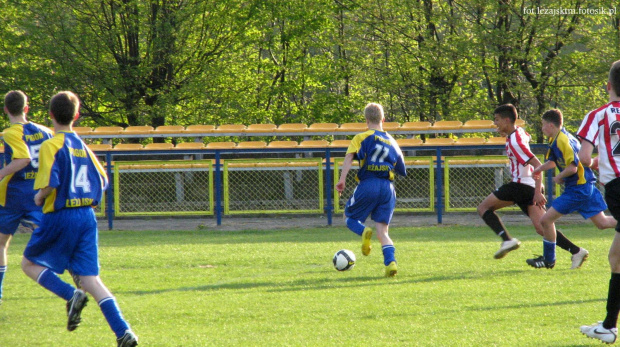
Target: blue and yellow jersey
68,166
22,141
563,150
378,154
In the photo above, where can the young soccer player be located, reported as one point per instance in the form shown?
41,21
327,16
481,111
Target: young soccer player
379,157
524,190
71,181
22,141
580,193
600,128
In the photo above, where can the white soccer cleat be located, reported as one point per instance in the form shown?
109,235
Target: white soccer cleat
506,247
596,331
578,258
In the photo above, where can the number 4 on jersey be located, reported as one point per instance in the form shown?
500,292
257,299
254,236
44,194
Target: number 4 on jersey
80,180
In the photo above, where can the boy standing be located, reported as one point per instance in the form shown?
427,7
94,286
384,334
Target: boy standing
71,181
379,156
580,193
22,141
524,190
601,128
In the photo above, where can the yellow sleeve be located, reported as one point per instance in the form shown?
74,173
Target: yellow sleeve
47,156
564,146
356,143
13,137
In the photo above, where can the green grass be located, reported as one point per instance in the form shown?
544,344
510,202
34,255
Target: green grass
278,288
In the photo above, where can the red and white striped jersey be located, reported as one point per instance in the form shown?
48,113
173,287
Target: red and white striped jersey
601,127
519,153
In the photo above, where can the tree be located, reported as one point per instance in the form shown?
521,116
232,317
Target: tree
130,60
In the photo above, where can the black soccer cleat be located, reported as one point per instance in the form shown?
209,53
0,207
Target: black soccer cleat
128,340
540,263
74,309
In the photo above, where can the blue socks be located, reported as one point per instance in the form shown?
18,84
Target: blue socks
2,271
549,251
48,279
355,226
358,227
388,254
113,315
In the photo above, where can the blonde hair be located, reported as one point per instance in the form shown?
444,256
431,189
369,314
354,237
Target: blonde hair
373,113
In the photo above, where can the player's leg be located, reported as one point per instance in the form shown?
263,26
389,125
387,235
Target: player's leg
603,221
5,239
48,279
546,221
358,208
47,254
566,203
594,210
607,331
110,309
9,220
382,215
486,210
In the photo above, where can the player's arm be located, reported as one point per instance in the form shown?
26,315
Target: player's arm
39,198
539,197
14,166
570,170
21,154
548,165
585,154
346,166
400,167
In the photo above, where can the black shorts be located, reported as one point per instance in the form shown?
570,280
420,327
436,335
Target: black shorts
612,198
519,193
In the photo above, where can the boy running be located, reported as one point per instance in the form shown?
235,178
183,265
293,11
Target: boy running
374,196
22,141
524,190
601,128
71,181
580,193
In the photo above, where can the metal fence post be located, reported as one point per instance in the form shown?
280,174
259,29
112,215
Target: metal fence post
439,185
328,187
110,191
218,189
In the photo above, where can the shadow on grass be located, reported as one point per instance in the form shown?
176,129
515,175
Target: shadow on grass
520,306
301,285
327,283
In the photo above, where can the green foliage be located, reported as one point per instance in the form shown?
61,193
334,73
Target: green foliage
278,288
213,62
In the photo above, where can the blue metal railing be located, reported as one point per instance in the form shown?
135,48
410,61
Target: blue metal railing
328,207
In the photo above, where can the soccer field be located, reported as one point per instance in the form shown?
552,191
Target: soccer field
278,288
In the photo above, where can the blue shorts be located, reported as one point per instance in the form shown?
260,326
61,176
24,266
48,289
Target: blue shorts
374,197
585,199
10,219
66,240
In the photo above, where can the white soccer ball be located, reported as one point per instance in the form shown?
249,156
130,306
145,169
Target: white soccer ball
344,260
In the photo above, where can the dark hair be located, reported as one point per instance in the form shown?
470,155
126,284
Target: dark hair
554,116
507,111
64,106
614,77
15,102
